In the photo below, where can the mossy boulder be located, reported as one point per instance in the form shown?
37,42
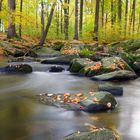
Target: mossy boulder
99,101
99,134
116,75
127,46
63,59
47,52
79,63
115,63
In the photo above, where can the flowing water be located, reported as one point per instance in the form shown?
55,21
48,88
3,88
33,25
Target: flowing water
22,118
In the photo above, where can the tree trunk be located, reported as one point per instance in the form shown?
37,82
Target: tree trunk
81,17
57,20
126,14
76,20
119,10
61,24
20,27
96,23
133,16
42,40
66,19
112,12
0,11
42,17
102,12
11,23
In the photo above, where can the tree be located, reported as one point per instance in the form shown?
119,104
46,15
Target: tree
11,25
96,22
81,17
42,40
133,13
126,14
20,27
119,10
102,5
66,19
76,21
42,17
0,11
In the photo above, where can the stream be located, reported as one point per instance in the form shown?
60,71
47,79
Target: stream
22,118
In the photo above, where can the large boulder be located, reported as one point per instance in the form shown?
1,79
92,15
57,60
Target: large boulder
88,102
115,63
97,134
47,52
56,69
124,46
116,75
64,59
79,63
106,65
99,101
22,68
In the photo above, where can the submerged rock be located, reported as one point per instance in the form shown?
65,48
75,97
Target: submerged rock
116,75
88,102
22,68
97,134
56,69
114,90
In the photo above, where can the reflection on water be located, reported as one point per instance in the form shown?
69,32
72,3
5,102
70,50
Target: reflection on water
24,119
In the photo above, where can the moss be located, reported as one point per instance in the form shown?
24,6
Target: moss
101,134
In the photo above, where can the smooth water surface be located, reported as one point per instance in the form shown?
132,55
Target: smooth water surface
22,118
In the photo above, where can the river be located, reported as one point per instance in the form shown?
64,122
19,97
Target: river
22,118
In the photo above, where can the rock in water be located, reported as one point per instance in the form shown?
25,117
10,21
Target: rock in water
114,90
56,69
99,134
64,59
88,102
79,63
116,75
22,68
99,101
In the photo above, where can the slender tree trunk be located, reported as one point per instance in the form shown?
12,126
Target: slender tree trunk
76,20
36,14
119,10
126,14
81,17
102,12
66,19
42,40
96,22
0,11
42,17
57,21
61,24
11,25
112,12
20,26
133,16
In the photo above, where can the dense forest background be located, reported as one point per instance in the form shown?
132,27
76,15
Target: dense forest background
102,20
